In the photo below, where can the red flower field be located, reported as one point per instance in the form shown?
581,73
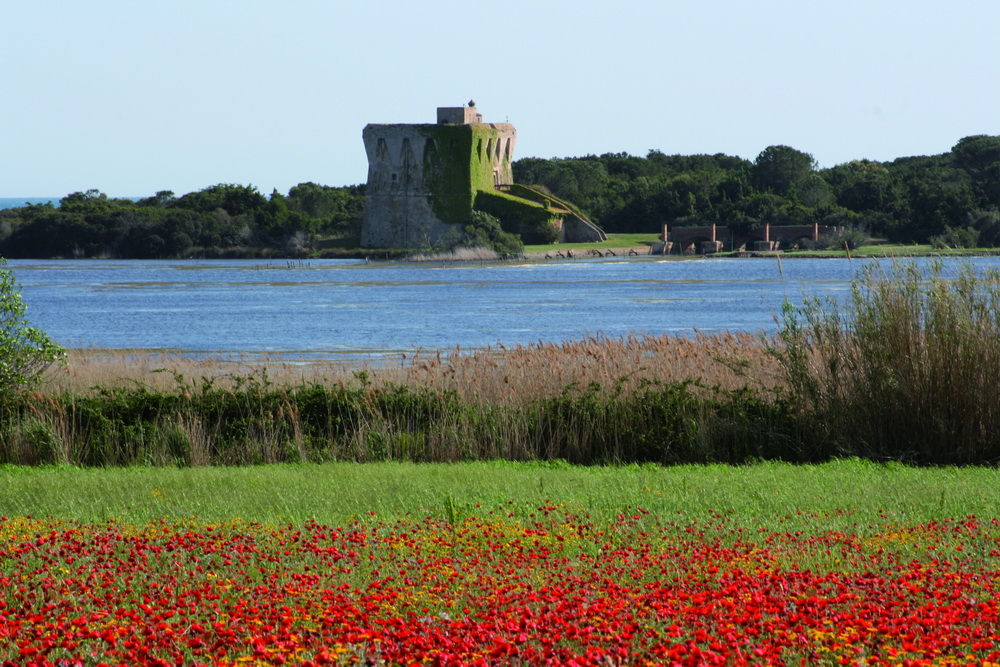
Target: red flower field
506,586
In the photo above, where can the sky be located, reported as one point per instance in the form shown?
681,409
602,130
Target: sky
131,97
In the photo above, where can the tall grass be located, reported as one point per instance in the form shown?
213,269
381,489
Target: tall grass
908,369
259,422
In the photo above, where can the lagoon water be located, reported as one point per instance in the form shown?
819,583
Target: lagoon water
346,309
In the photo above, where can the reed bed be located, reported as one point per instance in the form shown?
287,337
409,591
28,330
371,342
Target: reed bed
908,369
597,400
499,374
475,254
90,370
523,373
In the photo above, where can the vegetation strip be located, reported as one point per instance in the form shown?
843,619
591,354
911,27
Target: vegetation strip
513,583
904,371
771,495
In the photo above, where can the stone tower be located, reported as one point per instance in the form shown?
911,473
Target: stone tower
425,178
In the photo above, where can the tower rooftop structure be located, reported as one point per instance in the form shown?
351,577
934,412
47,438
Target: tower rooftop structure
466,115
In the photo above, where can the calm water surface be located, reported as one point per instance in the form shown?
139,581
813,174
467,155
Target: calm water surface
348,308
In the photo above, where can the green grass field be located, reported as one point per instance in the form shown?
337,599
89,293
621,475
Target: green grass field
349,246
897,250
848,494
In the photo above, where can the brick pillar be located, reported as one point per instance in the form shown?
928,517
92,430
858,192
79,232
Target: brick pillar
713,232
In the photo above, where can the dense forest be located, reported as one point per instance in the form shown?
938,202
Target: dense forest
955,195
949,199
220,221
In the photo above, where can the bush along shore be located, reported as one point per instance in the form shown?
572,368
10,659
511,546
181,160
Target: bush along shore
905,370
259,423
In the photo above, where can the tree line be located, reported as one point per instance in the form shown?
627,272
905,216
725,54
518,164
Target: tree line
954,197
223,220
949,199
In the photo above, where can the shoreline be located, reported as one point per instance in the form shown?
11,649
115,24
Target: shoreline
562,254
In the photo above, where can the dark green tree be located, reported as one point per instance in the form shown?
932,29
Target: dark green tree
937,195
980,156
90,201
987,223
160,200
233,199
976,153
778,169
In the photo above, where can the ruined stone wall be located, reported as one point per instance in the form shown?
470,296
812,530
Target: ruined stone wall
398,210
423,178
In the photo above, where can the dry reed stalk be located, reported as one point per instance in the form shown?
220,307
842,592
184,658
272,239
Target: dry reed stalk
495,374
458,254
198,438
502,375
111,368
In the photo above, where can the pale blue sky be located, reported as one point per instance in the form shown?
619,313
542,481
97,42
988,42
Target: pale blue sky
131,97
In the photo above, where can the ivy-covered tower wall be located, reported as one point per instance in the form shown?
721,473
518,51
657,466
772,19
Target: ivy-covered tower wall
423,178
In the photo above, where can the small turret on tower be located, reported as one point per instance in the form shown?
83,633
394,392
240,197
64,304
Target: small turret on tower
466,115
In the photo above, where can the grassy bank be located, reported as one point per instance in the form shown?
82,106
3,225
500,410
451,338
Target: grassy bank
349,248
848,494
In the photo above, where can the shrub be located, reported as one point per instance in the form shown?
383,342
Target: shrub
539,232
849,237
25,352
906,370
483,231
956,237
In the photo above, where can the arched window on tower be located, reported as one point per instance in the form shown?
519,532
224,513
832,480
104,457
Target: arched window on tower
430,153
408,159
